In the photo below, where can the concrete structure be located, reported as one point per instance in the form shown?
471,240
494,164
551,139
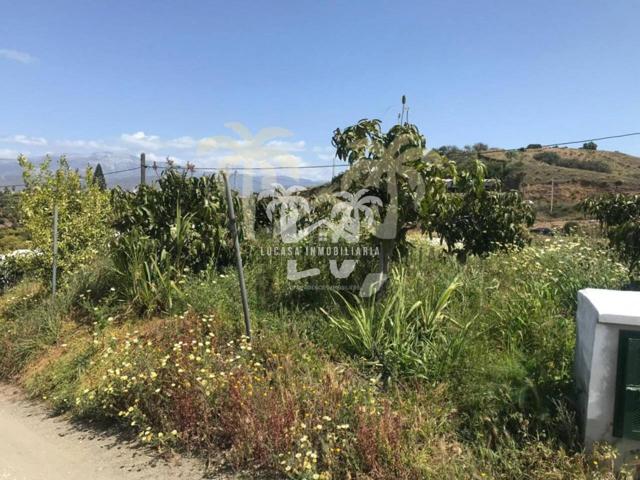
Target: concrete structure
606,319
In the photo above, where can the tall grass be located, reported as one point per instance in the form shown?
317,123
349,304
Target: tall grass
414,339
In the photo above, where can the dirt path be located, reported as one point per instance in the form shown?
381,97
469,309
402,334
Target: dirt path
36,446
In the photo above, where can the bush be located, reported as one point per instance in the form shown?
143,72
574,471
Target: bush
84,215
619,216
570,228
164,232
552,158
590,146
155,210
476,220
14,265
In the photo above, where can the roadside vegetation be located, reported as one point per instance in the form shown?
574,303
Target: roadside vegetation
460,367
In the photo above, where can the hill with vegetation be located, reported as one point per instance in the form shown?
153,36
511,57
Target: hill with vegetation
576,174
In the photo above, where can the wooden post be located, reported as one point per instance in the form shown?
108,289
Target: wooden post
143,168
552,194
54,269
236,241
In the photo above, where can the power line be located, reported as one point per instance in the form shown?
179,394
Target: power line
551,145
592,139
493,150
244,168
16,185
120,171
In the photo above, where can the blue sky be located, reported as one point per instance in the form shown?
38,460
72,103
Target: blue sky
161,75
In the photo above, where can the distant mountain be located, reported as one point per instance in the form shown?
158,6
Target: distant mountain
11,173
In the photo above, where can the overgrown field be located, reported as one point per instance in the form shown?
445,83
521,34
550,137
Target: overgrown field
462,370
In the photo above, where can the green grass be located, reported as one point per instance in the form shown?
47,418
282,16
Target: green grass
460,371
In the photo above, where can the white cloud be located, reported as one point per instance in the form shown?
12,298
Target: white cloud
182,142
154,142
298,146
16,55
25,140
141,139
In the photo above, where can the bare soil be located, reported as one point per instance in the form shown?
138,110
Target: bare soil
37,446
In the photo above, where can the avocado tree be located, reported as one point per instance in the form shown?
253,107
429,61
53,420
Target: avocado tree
476,217
384,164
619,217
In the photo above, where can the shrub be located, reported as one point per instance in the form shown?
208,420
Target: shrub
14,265
154,211
619,216
590,146
570,228
552,158
83,215
164,232
474,220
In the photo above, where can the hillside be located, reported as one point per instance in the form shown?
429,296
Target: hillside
576,175
574,182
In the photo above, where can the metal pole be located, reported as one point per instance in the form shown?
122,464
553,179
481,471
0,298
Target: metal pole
54,270
143,168
236,240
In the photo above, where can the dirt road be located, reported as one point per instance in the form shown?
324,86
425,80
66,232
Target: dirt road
36,446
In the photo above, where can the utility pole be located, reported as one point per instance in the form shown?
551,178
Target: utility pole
143,168
405,109
234,233
54,269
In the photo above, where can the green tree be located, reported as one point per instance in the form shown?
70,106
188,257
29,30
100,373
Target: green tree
473,219
384,163
84,214
98,177
619,217
153,211
590,146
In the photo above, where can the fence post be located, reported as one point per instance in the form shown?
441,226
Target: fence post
143,168
54,270
236,241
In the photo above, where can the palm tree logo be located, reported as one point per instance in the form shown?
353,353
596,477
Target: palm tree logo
348,213
289,207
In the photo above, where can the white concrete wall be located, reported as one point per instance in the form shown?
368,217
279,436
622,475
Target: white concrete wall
601,315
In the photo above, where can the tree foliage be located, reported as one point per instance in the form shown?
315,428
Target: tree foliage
154,210
619,216
383,162
472,219
165,232
590,146
84,214
98,177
